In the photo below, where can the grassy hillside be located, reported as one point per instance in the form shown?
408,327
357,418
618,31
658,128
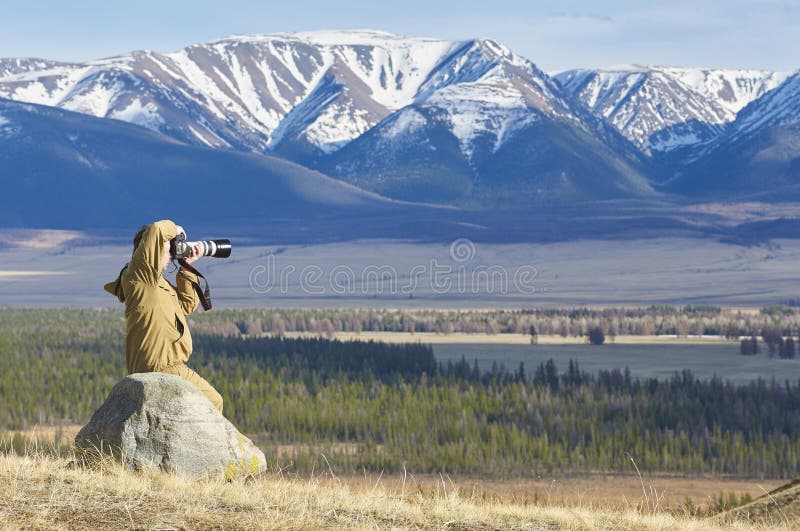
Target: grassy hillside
44,492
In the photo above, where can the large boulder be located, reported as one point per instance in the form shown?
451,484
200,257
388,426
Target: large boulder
163,421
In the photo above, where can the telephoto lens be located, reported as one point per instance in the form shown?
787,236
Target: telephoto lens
214,248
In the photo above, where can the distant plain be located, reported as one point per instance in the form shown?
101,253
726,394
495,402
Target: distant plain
381,273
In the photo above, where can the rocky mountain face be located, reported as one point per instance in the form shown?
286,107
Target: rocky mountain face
778,108
490,126
663,109
758,156
312,91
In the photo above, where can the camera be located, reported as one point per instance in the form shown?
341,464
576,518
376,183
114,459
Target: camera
179,247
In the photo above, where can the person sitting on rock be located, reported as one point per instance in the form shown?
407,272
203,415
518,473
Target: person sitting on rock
157,338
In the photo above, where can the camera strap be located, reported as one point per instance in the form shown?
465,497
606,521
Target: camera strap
204,294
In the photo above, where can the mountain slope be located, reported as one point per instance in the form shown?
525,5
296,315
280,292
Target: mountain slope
490,126
758,156
663,109
63,169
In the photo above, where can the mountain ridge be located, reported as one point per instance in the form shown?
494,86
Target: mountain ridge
758,154
465,122
661,109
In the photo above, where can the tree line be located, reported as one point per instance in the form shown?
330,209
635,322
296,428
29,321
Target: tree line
575,322
773,340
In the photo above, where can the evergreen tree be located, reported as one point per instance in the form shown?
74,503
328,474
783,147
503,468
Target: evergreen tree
596,336
534,335
746,347
773,338
788,349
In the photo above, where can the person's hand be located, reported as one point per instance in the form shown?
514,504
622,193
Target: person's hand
194,254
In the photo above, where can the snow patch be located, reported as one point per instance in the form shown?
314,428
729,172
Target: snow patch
393,67
407,121
672,140
336,126
267,120
198,79
47,87
733,89
397,69
144,115
478,110
97,100
201,137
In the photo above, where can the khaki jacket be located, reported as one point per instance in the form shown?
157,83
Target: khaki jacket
156,335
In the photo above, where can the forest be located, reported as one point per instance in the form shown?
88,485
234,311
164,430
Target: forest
380,407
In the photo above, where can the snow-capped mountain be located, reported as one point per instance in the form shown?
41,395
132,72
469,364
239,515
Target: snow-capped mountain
303,93
758,155
454,142
662,109
484,90
295,91
13,66
451,143
468,122
305,96
779,107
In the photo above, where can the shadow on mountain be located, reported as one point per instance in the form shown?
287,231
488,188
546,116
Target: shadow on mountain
685,141
545,162
69,170
763,167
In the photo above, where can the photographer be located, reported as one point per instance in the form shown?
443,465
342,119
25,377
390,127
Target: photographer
157,338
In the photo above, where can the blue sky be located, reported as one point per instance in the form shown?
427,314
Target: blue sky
555,35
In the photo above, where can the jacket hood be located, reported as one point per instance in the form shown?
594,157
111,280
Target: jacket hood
115,287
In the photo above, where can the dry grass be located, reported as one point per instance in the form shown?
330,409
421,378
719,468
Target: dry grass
608,491
45,435
44,492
